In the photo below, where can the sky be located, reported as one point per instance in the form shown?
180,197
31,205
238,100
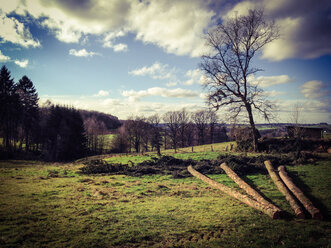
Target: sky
130,57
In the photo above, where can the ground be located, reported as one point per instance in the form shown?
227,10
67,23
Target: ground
52,205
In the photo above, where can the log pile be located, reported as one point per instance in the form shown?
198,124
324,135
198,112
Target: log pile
315,213
267,209
283,189
283,182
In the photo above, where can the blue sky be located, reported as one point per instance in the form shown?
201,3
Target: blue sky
127,57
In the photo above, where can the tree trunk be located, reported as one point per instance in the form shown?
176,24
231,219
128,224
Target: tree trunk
282,188
27,140
252,124
274,214
249,190
316,214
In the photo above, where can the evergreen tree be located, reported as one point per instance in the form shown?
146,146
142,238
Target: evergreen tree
9,108
29,117
64,135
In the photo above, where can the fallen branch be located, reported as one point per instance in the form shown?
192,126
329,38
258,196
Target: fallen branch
316,214
282,188
249,190
274,214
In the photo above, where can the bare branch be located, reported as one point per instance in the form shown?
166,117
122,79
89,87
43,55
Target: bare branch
234,44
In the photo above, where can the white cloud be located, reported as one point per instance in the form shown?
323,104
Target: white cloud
177,28
284,47
4,58
102,93
81,53
23,63
203,96
239,9
273,93
313,89
11,30
195,77
121,47
304,27
155,71
121,108
171,84
110,39
311,111
111,101
157,91
266,81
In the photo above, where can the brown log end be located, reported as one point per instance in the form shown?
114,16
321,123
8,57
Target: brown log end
278,215
318,216
300,215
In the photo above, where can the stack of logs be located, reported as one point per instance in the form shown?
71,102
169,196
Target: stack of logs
285,185
255,200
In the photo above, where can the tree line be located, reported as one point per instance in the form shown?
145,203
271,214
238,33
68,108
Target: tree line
174,129
50,132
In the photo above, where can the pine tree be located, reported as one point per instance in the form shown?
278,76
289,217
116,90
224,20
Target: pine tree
64,135
9,108
29,117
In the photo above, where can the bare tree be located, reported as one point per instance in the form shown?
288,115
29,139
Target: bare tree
201,119
95,131
212,121
135,131
121,143
190,134
171,119
155,137
184,118
228,67
295,118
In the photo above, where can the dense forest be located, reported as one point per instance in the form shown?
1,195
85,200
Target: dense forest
49,132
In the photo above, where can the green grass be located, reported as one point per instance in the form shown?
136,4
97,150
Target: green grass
51,205
199,153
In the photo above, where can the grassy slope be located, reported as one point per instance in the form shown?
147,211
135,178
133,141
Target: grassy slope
199,153
50,205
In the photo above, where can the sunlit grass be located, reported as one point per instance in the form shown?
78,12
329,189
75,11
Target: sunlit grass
198,153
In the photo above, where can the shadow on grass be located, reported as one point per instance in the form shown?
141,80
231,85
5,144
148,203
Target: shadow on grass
307,192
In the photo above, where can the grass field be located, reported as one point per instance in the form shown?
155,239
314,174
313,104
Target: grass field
199,153
51,205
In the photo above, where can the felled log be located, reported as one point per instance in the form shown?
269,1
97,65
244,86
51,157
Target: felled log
282,188
249,190
315,213
274,214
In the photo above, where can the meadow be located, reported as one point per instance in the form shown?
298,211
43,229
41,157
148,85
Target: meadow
53,205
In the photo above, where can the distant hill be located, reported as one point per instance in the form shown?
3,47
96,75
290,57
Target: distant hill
110,121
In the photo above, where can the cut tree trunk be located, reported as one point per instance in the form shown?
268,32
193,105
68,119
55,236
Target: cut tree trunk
316,213
274,214
249,190
282,188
